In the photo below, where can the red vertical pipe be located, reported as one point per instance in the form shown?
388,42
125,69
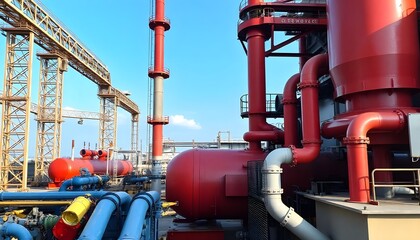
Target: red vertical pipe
357,141
256,82
159,25
290,110
313,69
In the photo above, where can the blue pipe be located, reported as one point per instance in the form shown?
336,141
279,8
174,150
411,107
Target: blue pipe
98,221
80,181
15,230
133,225
135,179
5,196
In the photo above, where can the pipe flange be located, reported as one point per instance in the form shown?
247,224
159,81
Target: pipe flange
401,117
294,153
272,171
287,217
356,140
289,101
268,191
303,85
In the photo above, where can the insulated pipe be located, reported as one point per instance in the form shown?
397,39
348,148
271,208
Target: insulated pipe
80,181
76,211
259,129
313,69
133,225
357,141
8,196
15,230
272,191
290,112
98,221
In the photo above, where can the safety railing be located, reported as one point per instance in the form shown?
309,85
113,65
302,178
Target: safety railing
270,103
414,184
244,3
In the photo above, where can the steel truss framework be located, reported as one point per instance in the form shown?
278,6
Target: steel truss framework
16,109
107,129
49,113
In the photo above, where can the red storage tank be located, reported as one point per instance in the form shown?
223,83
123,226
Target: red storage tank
377,50
62,169
209,184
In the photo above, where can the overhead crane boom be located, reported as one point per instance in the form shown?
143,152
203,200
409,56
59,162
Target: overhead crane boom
50,35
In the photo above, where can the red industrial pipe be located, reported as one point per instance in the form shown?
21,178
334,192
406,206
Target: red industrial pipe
88,154
102,155
313,69
259,129
290,110
159,24
357,141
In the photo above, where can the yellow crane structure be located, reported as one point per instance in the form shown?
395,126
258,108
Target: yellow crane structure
29,24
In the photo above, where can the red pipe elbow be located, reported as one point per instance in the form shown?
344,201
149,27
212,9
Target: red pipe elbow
357,142
313,69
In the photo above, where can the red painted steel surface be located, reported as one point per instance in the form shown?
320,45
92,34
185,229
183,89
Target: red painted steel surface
62,169
290,110
197,180
378,49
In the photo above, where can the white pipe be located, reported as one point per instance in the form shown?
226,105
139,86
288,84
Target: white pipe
272,191
403,190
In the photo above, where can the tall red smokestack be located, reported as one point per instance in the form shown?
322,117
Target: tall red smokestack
159,24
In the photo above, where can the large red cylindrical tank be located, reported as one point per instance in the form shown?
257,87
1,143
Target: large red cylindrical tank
209,184
212,184
62,169
377,50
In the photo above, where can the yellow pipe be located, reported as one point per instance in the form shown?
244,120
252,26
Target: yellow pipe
34,203
169,204
75,212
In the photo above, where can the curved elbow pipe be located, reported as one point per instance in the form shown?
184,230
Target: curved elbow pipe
357,141
133,225
272,190
313,69
77,182
290,111
15,230
98,221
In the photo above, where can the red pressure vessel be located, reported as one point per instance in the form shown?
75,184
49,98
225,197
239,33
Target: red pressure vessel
62,169
373,45
210,184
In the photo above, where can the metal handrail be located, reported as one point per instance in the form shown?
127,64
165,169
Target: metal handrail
414,170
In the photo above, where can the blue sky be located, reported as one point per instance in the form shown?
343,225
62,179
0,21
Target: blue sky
207,63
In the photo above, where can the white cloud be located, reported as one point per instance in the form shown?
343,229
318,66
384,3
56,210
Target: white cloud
180,120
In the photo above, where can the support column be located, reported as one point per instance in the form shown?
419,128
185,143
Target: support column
16,109
134,138
50,101
108,123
